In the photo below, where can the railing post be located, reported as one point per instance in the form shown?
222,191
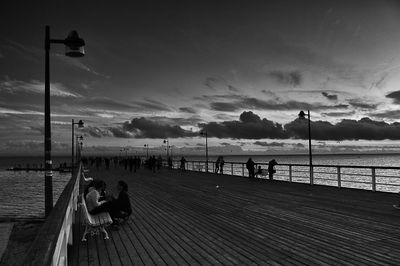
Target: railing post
373,179
231,168
290,173
339,178
213,167
242,169
311,175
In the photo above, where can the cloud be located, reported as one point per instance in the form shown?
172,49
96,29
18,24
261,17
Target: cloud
150,104
189,110
293,78
34,86
395,95
331,97
245,102
359,103
146,128
251,126
269,144
95,132
339,114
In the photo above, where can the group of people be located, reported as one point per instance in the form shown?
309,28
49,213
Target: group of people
250,165
97,200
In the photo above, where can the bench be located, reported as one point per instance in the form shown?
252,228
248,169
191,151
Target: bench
87,179
94,223
264,173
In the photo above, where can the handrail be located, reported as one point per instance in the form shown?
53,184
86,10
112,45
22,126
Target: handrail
375,178
51,243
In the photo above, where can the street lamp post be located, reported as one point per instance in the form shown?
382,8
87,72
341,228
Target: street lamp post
303,115
80,125
78,138
73,48
147,150
204,133
166,141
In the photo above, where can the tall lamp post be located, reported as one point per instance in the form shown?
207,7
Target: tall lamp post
73,48
79,140
147,150
302,115
166,141
80,125
204,133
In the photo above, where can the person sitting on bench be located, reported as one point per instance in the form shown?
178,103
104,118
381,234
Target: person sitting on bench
94,202
121,206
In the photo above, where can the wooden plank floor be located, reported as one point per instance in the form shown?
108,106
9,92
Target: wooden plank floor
181,218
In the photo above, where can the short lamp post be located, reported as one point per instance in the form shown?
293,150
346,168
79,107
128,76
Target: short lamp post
302,115
166,141
147,150
204,133
80,125
74,47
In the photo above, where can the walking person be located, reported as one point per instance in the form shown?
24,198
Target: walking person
183,162
221,165
217,165
271,169
250,167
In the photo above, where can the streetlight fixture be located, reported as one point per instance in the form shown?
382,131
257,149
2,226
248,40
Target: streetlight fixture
302,115
80,125
147,150
204,133
74,47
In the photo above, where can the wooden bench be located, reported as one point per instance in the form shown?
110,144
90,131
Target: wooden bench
94,223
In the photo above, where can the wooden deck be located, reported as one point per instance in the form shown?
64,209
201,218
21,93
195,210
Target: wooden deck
182,218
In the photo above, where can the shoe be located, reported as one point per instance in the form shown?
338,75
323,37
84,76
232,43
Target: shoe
396,206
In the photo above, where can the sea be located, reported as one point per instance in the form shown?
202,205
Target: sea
22,192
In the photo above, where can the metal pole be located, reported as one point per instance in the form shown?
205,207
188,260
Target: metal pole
206,153
309,148
48,174
72,155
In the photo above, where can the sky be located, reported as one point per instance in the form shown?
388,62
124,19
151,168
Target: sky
240,70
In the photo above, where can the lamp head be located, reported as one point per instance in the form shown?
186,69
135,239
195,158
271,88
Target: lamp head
302,114
74,45
165,141
80,124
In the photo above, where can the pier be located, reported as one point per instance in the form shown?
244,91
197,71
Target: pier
188,217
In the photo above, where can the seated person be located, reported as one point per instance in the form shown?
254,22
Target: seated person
90,187
94,203
121,206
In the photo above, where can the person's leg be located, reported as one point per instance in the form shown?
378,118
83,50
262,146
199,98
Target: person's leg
105,207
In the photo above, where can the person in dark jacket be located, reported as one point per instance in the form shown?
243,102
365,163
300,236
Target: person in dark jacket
121,206
271,169
250,167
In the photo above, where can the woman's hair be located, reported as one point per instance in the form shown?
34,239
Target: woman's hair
124,185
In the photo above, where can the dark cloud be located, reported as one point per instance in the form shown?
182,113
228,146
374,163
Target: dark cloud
393,114
189,110
95,132
120,133
146,128
257,104
293,78
269,144
251,126
339,114
395,95
331,97
359,103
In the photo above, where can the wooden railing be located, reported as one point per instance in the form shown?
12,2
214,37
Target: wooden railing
375,178
50,246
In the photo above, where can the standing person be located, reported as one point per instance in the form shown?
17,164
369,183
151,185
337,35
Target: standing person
271,169
159,162
250,167
183,162
153,162
107,162
130,161
169,162
221,165
217,164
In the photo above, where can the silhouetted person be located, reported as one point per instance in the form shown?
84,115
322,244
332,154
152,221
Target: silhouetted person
221,165
259,171
250,167
271,169
130,162
217,165
183,162
153,162
169,162
107,162
159,162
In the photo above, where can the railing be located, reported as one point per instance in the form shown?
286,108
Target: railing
375,178
50,246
